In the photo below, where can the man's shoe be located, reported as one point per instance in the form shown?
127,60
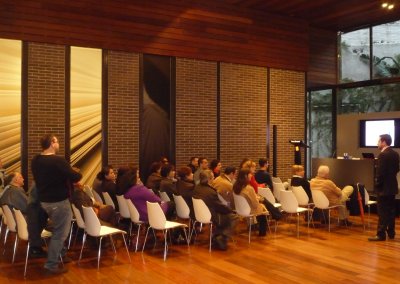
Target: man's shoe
37,253
220,243
391,236
66,259
56,270
376,239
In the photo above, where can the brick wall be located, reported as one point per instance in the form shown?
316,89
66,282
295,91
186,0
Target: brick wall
196,110
288,114
123,108
46,96
243,113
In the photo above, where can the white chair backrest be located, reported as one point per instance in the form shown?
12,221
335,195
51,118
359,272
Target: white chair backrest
182,209
108,200
97,197
289,202
241,205
21,225
11,225
276,179
79,219
164,196
223,201
123,207
134,213
88,190
267,194
92,222
278,187
156,216
301,195
366,196
201,211
320,199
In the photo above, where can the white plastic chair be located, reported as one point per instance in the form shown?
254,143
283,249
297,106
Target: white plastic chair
108,199
368,203
322,202
23,233
203,216
303,200
11,227
182,210
79,220
278,187
243,209
164,196
267,194
276,179
290,205
95,229
123,207
135,219
97,197
158,221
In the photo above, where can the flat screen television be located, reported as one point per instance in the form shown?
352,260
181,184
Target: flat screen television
370,129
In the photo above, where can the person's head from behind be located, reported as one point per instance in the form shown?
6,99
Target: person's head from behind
203,163
168,171
384,141
243,179
194,161
298,170
215,166
323,171
15,179
164,160
126,178
206,177
249,165
245,160
230,172
50,143
185,173
106,174
263,163
155,168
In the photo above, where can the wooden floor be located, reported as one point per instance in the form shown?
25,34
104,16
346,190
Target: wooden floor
342,256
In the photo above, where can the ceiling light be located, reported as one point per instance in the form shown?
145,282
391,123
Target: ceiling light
384,5
391,6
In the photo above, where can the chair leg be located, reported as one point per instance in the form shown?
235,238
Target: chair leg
145,238
298,224
99,253
112,244
26,259
329,220
126,247
211,225
250,229
83,244
15,247
5,240
137,237
70,234
165,244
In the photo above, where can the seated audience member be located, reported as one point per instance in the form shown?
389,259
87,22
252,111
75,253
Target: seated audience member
222,216
262,176
215,167
242,187
185,187
107,177
168,182
251,166
299,180
154,179
106,213
164,161
194,164
36,219
335,195
203,165
138,193
14,195
224,185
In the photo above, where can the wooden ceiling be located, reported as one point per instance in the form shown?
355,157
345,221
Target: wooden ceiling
335,15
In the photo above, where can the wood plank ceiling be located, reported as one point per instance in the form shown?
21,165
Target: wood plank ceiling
335,15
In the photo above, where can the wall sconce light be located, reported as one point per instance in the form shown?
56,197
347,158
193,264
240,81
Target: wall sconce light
387,5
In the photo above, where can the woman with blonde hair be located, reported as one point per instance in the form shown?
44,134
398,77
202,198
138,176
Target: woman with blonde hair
251,167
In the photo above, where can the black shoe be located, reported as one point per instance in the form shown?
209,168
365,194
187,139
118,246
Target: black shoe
391,236
37,253
56,270
376,239
220,243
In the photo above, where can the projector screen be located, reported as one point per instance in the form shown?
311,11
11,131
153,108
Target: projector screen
371,129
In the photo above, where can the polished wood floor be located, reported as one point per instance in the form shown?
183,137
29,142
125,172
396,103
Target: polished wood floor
342,256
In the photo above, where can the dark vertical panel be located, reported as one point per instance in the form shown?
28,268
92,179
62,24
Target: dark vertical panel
268,111
218,110
104,108
24,114
305,125
172,91
67,137
275,149
334,121
155,114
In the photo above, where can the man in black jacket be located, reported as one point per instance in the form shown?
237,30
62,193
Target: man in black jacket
386,188
54,177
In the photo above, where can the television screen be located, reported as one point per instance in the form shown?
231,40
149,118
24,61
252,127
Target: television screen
371,129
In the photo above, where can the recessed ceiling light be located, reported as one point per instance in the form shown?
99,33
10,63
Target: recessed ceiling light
391,6
384,5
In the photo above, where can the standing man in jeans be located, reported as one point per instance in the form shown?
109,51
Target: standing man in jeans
386,188
53,176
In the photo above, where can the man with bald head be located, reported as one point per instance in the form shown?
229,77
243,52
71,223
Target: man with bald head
335,195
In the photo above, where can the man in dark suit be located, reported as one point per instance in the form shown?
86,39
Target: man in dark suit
386,188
